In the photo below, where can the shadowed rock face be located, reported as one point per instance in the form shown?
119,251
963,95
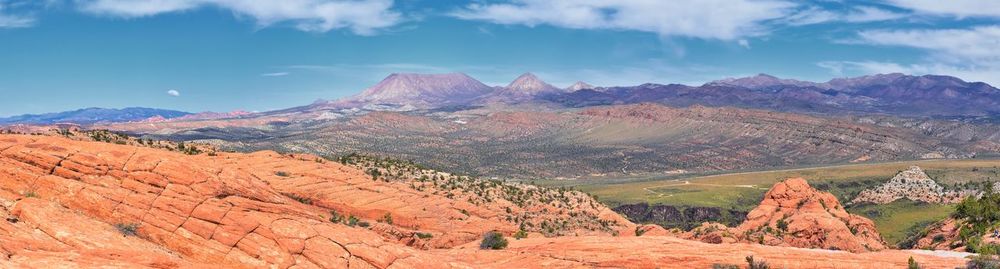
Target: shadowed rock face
62,200
684,218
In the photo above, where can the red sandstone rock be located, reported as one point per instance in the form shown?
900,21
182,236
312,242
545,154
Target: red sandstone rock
62,198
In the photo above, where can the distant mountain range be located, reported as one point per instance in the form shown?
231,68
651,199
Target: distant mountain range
530,128
95,115
883,94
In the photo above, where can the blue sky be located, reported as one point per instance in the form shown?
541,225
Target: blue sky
255,55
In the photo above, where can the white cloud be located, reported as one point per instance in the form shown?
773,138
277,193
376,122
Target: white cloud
958,8
709,19
361,17
14,21
977,45
743,43
174,93
870,14
861,14
969,54
276,74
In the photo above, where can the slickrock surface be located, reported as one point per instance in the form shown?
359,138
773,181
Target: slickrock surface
942,236
65,204
911,184
794,214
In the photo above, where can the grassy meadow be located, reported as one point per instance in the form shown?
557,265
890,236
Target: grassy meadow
744,190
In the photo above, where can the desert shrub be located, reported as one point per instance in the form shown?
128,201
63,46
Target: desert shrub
912,264
424,235
493,240
387,219
782,225
336,217
725,266
756,263
352,221
304,200
363,224
983,262
281,173
127,229
639,231
520,234
980,214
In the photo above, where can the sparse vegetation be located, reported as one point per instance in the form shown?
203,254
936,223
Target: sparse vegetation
725,266
424,235
912,264
639,231
387,219
580,210
984,262
493,240
336,217
782,225
127,229
520,234
756,263
980,216
300,199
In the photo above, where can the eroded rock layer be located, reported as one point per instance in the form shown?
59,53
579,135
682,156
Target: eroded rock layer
75,204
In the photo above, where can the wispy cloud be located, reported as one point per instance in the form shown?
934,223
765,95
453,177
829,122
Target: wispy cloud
275,74
361,17
861,14
967,53
8,20
709,19
174,93
957,8
743,43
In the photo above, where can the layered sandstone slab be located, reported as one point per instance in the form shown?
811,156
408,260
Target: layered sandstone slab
61,201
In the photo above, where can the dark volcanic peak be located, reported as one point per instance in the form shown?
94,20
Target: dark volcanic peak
424,90
529,84
759,81
579,85
95,115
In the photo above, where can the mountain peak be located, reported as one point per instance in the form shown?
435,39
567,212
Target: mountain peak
759,81
579,85
530,84
424,89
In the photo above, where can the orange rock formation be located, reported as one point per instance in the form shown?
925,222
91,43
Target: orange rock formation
73,204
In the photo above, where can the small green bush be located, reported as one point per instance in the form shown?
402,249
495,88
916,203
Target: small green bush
912,264
983,262
387,219
127,229
756,264
520,234
424,235
336,217
493,240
